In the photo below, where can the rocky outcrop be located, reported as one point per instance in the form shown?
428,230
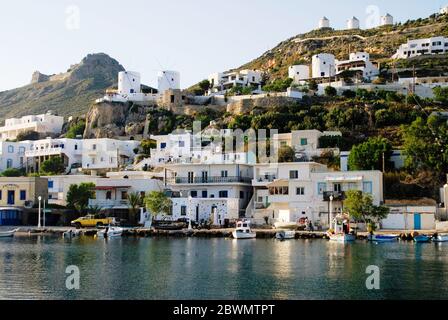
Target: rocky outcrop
38,77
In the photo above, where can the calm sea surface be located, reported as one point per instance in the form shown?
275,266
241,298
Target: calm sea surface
34,268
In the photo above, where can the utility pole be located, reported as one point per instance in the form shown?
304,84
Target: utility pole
384,163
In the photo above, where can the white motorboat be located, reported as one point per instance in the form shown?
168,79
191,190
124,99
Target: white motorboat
442,237
110,232
243,231
285,235
8,234
343,238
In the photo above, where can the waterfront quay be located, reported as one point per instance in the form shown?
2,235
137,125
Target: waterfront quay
405,235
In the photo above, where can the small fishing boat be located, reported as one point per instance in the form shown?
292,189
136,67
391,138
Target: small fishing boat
341,232
285,235
422,239
243,231
8,234
443,237
383,238
110,232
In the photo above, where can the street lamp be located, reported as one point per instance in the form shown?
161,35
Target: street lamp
38,221
330,213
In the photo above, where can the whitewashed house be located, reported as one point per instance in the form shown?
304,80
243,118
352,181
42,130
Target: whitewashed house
58,186
221,82
305,143
323,65
293,192
12,155
418,47
217,192
299,73
359,61
108,154
70,150
42,124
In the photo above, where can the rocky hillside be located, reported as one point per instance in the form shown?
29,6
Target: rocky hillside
381,43
67,94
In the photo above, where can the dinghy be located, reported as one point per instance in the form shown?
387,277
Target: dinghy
443,237
422,239
110,232
383,238
285,235
8,234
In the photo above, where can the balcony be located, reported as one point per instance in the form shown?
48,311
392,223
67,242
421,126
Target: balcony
44,152
337,195
209,180
104,203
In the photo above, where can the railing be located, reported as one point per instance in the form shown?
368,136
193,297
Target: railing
42,152
337,196
200,180
107,203
266,178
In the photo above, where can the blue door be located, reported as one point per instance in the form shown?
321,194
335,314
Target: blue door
11,197
417,221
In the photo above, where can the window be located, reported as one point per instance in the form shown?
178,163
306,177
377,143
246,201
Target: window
1,195
224,174
337,187
94,147
172,98
223,194
193,194
190,177
163,145
204,194
322,74
108,195
76,147
183,210
304,142
21,150
50,184
300,191
204,176
124,195
9,163
351,186
22,195
241,194
367,187
321,188
10,149
293,174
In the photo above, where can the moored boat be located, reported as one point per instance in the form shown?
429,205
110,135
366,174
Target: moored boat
243,231
443,237
383,238
422,239
71,233
344,238
285,225
285,235
110,232
8,234
341,232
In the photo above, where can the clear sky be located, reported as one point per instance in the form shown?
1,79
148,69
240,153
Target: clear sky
195,37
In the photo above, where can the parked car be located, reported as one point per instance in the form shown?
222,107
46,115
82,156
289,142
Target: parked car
91,221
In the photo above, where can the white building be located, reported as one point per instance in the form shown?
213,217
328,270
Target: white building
221,82
359,61
218,192
299,73
410,217
352,23
387,20
129,90
12,155
444,10
323,65
70,150
292,192
168,80
58,186
108,154
324,23
305,143
418,47
43,124
112,192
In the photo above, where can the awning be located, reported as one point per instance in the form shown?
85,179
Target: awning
108,188
344,178
279,183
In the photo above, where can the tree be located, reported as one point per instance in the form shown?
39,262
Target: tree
28,135
13,172
425,145
158,203
369,155
52,166
330,91
360,207
312,85
76,129
147,145
78,196
441,94
286,154
135,201
204,85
